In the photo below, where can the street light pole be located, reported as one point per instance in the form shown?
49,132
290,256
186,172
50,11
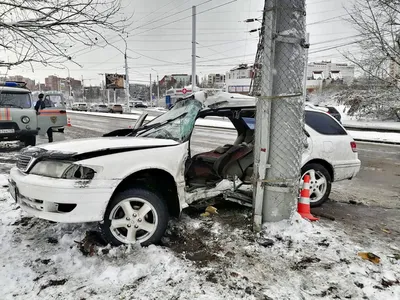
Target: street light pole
126,77
193,47
158,87
151,94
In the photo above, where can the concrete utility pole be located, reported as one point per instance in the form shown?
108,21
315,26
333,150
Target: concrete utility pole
108,96
280,111
193,47
115,96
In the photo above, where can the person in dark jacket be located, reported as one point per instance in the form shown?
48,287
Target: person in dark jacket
40,104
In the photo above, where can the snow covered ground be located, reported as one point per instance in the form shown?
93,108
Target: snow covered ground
201,258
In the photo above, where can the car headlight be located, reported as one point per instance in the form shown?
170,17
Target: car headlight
25,119
59,169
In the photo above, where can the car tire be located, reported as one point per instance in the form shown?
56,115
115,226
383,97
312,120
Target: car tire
126,208
320,183
30,141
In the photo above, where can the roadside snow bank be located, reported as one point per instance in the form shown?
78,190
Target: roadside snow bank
207,258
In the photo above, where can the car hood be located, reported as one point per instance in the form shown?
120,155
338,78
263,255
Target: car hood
104,144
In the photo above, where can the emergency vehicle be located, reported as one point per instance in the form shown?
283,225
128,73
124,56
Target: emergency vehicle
18,118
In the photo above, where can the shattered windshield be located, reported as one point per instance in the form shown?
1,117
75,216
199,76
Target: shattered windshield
13,99
176,124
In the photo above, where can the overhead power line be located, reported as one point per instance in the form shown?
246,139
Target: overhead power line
172,22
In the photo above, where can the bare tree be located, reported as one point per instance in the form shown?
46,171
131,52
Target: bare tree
379,25
49,31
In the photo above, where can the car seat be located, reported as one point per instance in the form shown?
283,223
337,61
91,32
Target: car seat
235,161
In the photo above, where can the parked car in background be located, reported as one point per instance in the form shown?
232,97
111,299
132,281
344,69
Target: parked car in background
115,108
139,104
99,108
334,113
327,109
92,107
80,106
124,181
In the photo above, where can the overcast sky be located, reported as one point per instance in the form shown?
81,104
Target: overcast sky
222,36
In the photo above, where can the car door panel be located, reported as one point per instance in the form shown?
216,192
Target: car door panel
51,117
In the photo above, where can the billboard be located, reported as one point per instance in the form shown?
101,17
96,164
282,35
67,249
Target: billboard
115,81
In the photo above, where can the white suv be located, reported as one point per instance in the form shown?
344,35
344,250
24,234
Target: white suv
132,181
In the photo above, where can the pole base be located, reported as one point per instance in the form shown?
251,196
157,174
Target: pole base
308,216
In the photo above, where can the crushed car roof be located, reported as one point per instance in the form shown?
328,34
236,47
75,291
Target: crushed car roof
224,100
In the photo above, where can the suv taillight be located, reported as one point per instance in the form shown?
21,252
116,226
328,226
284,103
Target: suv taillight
353,146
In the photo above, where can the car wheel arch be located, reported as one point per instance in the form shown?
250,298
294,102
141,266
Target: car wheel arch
156,180
323,163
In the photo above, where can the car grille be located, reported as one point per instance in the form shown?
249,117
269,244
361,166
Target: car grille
23,162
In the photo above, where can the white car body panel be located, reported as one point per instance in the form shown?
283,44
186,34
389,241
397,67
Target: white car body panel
335,150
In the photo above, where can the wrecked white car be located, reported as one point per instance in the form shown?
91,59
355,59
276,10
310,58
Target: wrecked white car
133,180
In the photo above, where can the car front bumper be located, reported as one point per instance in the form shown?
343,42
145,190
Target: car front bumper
17,135
61,200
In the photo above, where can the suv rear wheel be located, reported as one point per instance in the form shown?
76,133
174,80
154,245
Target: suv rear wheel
135,215
320,183
29,140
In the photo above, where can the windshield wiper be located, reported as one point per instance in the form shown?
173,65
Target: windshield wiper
159,124
11,104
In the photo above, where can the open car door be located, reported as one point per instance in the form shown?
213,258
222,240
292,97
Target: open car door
53,115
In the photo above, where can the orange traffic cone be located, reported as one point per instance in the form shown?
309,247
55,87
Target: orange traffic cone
303,207
69,122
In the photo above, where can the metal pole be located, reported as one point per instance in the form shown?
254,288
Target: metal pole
263,87
305,67
108,96
83,89
158,90
193,47
69,82
151,94
115,96
126,82
287,113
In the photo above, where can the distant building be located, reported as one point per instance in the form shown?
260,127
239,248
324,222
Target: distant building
238,79
177,80
55,83
330,71
216,80
30,83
